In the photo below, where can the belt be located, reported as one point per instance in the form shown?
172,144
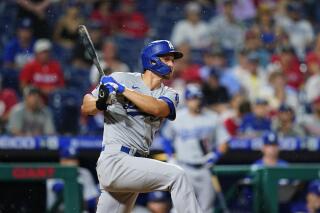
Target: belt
195,166
128,150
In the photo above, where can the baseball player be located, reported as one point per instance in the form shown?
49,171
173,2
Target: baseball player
141,104
199,140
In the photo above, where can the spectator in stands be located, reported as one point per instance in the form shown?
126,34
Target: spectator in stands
214,58
287,61
285,123
266,24
185,69
252,77
253,43
129,22
311,123
216,96
312,86
226,30
311,204
8,99
244,10
20,49
277,93
255,123
110,61
36,10
66,29
233,122
30,117
300,30
90,193
103,14
270,152
192,30
43,72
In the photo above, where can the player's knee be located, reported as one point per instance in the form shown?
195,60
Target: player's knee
179,174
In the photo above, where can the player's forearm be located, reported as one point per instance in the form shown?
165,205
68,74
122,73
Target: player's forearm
223,148
89,105
147,104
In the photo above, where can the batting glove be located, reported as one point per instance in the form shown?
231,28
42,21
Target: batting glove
212,158
110,82
103,97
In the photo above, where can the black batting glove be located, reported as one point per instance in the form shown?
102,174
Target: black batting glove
101,103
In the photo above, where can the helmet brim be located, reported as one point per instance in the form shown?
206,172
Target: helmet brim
175,54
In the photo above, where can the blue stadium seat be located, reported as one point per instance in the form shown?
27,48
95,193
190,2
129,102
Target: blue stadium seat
77,79
10,79
65,105
167,14
129,51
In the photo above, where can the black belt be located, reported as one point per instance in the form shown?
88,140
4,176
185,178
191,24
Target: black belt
127,150
195,166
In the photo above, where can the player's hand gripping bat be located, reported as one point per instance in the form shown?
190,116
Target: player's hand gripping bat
86,41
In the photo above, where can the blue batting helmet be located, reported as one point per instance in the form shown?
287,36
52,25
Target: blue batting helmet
193,91
150,56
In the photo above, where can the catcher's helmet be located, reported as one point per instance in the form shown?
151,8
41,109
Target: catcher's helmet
150,56
193,91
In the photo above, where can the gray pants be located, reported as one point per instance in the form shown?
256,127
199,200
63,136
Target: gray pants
201,181
123,176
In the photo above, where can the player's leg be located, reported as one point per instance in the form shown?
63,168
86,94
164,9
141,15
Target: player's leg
122,173
201,181
205,191
116,202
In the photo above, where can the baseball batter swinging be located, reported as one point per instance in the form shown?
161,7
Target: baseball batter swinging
142,104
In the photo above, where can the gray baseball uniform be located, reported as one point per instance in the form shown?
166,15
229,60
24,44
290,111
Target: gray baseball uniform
193,136
122,176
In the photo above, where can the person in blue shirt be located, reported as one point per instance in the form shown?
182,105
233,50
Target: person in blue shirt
255,123
312,201
19,50
270,151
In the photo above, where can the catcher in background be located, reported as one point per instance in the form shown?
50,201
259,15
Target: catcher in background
199,140
141,104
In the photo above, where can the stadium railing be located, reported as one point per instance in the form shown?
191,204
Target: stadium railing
44,171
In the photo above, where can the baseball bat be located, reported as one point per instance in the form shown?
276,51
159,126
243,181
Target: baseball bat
87,42
217,188
214,180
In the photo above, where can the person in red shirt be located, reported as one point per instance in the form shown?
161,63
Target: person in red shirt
289,63
313,58
43,72
8,99
129,22
103,14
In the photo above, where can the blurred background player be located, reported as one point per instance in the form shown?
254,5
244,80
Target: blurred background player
270,151
198,140
90,192
311,202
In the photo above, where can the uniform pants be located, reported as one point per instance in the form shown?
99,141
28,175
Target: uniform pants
201,181
122,177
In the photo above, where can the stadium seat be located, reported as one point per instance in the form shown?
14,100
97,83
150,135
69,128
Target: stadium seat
78,79
10,79
167,14
129,51
65,105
